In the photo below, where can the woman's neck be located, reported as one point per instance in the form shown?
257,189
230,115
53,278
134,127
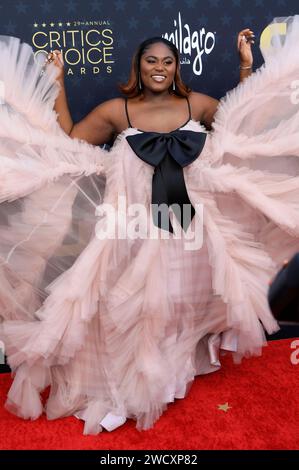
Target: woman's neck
148,95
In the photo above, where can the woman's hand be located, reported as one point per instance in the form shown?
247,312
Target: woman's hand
244,43
56,57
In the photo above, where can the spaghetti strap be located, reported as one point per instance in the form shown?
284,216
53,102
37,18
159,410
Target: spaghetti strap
127,114
189,107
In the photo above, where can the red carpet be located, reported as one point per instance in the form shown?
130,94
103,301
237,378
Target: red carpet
263,395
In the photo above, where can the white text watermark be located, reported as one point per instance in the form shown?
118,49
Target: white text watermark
135,221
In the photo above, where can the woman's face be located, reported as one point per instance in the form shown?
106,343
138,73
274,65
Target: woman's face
157,68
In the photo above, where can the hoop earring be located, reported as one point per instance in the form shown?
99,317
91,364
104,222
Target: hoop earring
139,81
173,85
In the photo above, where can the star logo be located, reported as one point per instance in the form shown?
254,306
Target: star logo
225,407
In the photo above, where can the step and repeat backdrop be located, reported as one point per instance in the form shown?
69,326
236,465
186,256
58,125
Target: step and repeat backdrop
98,38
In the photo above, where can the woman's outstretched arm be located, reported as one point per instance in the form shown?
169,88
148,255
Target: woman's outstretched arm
244,42
61,104
204,107
97,127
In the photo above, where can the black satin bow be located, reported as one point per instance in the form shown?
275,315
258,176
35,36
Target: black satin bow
169,153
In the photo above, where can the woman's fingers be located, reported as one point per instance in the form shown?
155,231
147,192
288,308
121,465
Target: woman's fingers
56,57
246,36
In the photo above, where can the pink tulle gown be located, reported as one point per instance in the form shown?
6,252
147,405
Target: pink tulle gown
119,327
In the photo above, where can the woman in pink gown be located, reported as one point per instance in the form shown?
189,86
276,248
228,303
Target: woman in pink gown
119,321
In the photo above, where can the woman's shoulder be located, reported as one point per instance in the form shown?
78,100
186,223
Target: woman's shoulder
111,110
114,104
203,107
197,97
115,113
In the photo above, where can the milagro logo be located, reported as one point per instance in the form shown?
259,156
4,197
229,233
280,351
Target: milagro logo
187,42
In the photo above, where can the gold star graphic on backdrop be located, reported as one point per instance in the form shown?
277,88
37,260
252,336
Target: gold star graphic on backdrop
52,24
44,25
68,24
225,407
35,25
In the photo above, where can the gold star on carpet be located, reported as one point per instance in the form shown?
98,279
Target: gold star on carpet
225,407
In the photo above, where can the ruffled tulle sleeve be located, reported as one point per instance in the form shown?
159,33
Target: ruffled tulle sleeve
50,184
255,146
34,149
249,187
257,123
